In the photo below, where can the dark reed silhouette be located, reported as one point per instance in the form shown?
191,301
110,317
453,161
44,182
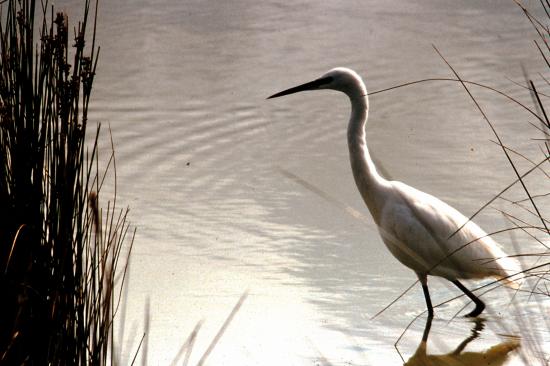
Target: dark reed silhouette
57,264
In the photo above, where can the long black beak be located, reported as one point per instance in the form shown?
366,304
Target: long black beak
312,85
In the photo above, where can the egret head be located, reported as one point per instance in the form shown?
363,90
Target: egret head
340,78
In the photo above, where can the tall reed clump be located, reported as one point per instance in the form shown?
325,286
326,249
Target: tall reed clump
542,28
57,263
534,200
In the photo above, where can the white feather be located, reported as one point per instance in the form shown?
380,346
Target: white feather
418,229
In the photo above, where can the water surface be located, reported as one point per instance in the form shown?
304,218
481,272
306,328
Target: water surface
233,193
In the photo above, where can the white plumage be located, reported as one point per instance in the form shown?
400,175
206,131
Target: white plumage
419,229
420,223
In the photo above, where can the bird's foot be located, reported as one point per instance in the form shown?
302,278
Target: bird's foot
478,310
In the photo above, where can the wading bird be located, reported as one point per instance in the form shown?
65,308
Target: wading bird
421,231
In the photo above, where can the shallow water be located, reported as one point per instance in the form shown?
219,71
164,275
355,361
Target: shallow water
233,193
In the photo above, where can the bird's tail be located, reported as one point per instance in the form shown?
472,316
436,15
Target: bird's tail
510,272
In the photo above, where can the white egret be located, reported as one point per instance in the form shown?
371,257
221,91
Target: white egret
422,232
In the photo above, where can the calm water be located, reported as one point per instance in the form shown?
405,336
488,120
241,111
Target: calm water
233,193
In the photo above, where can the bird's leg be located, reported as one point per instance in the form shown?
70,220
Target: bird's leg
479,304
424,281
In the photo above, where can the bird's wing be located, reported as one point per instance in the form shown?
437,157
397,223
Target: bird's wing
425,225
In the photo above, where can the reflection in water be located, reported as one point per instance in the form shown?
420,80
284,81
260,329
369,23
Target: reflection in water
494,356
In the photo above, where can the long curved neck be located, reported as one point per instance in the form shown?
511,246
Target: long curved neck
364,171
